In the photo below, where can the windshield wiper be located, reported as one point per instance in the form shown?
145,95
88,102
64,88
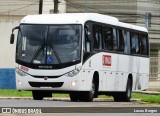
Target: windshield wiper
37,53
55,53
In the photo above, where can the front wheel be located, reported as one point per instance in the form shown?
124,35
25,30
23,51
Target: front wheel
37,95
89,96
74,96
86,96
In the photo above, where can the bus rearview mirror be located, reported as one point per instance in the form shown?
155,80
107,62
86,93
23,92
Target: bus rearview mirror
12,35
12,39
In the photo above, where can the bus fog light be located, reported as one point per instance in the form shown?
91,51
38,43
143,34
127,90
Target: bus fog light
19,82
73,83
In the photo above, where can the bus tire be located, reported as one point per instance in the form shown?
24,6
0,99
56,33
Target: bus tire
124,96
74,97
89,96
117,97
37,95
128,92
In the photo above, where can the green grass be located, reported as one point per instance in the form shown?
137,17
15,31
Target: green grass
144,98
14,93
147,98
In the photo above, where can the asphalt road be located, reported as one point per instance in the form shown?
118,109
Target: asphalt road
63,103
60,107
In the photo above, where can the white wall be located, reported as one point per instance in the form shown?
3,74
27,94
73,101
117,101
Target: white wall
7,51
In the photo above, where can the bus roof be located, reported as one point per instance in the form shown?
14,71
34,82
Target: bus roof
76,18
135,27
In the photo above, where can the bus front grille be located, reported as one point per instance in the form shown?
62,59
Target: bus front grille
46,84
47,76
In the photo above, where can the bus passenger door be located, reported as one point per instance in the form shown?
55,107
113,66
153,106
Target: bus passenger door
87,61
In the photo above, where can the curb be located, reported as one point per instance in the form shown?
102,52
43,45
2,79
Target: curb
148,92
63,99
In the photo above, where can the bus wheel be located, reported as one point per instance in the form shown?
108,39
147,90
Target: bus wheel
88,96
117,98
124,96
128,92
37,95
74,96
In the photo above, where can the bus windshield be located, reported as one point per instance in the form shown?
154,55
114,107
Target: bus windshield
48,44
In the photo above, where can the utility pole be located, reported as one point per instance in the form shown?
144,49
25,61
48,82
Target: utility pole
148,20
85,5
55,6
40,6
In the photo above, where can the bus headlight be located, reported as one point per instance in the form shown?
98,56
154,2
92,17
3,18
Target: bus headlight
74,72
20,72
73,83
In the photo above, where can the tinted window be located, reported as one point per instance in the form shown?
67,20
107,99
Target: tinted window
115,41
87,42
97,34
134,43
120,41
108,40
144,44
126,36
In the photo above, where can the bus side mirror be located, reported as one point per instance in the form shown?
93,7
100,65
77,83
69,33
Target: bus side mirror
12,39
12,35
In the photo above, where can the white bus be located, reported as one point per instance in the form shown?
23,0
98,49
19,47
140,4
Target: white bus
83,54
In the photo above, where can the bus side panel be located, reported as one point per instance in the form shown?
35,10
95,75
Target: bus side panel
87,76
126,66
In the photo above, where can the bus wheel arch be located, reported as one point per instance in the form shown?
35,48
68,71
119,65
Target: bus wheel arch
131,78
128,92
126,95
93,93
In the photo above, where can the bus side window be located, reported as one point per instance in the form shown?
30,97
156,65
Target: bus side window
87,41
108,39
143,44
126,35
120,40
97,35
134,43
115,40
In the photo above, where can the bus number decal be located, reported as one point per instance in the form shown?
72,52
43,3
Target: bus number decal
25,68
107,60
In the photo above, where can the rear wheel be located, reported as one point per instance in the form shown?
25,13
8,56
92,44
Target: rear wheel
124,96
128,92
